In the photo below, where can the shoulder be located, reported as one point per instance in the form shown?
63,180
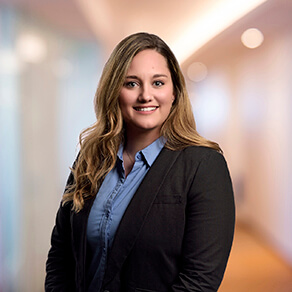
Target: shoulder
64,211
210,166
192,155
193,160
204,160
201,153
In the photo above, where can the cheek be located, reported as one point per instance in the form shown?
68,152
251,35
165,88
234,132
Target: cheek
168,99
126,98
124,107
123,102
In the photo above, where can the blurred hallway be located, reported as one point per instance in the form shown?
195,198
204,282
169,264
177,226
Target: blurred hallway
51,57
254,266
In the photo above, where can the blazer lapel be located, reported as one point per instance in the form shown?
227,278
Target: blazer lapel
137,212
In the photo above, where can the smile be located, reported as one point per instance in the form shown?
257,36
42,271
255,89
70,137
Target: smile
145,109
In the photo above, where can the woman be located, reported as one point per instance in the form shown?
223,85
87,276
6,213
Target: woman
149,202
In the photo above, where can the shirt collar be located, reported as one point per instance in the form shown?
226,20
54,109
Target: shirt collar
149,153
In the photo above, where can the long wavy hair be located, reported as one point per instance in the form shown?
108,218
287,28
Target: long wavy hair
99,143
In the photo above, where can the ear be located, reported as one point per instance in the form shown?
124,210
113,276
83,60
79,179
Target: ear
173,98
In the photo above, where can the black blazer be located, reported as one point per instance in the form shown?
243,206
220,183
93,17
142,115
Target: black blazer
175,235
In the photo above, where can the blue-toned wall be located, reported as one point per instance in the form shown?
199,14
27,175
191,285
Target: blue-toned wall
44,104
10,177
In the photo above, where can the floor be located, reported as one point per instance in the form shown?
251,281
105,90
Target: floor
254,267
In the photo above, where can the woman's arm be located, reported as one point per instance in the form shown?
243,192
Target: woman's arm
209,227
60,265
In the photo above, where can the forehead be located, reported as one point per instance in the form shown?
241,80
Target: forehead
149,60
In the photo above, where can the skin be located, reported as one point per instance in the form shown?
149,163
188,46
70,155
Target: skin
145,101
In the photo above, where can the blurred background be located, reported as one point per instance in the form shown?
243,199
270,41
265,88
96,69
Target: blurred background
237,60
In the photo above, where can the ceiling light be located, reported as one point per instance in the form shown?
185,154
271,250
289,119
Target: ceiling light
197,71
216,19
252,38
31,48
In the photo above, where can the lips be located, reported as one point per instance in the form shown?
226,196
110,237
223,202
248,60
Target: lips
146,109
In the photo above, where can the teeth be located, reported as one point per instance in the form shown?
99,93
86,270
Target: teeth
145,109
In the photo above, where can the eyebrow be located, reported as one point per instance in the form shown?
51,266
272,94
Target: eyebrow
154,76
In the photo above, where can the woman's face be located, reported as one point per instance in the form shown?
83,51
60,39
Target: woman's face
147,93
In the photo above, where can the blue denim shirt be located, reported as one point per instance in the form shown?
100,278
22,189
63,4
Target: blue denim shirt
109,206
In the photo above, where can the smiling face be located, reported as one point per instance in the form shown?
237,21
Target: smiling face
147,94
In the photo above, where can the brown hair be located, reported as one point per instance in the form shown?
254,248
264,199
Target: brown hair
99,143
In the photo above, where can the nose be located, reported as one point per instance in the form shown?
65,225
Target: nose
145,94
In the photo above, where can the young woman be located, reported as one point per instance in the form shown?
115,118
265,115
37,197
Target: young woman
149,203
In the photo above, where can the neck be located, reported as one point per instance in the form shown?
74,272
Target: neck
138,141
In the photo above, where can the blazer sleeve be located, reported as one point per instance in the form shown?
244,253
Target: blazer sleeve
60,265
210,218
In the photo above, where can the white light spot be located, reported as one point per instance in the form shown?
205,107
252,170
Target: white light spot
31,48
252,38
197,72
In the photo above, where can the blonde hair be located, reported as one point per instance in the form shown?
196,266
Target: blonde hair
99,143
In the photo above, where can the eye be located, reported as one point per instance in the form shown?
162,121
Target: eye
131,84
158,83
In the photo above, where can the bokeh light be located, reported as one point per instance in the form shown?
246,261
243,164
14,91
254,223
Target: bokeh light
252,38
197,71
31,48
